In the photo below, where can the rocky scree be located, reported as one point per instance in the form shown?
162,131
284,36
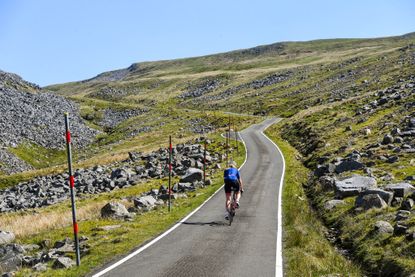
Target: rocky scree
52,189
35,118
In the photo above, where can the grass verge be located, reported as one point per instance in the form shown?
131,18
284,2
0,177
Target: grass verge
306,250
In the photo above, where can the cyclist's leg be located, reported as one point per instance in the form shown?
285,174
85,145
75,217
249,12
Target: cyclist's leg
228,201
237,192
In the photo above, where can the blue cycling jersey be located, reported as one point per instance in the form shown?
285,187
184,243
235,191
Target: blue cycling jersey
231,174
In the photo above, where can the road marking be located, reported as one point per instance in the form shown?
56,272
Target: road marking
279,265
144,247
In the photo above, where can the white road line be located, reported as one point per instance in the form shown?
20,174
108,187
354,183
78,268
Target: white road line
144,247
279,265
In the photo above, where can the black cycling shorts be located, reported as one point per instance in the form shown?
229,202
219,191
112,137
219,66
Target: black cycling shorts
231,185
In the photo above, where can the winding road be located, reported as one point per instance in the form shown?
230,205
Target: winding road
204,245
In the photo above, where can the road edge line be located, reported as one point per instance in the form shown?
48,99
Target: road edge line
279,271
162,235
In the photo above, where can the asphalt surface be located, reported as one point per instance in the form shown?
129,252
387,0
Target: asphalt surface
204,245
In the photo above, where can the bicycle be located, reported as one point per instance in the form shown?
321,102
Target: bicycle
232,211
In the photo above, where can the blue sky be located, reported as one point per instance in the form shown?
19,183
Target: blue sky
49,41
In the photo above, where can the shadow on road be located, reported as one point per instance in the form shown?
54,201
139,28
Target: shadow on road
212,223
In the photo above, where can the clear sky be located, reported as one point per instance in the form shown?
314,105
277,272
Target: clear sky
55,41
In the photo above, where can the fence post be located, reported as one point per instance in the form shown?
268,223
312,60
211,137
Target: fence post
170,168
72,185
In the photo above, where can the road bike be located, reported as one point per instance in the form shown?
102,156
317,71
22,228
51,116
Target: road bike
232,210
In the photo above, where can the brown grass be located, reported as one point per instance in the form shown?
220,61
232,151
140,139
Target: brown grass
34,223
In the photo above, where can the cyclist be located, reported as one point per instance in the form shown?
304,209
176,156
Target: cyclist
233,181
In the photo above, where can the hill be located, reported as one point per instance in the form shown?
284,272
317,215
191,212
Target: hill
348,106
350,109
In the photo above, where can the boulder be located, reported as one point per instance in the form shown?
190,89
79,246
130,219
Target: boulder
383,227
114,210
408,204
331,204
371,201
348,165
63,262
399,229
400,189
192,175
387,196
387,139
6,237
327,182
11,257
147,201
324,169
353,186
120,173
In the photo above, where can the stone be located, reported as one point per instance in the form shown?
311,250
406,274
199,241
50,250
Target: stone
11,257
192,175
402,215
331,204
147,201
371,201
120,173
40,267
387,139
399,229
348,165
327,182
400,189
114,210
6,237
393,159
387,196
108,227
353,186
63,262
208,182
383,227
324,169
408,204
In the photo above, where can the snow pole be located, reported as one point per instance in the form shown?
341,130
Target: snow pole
72,185
170,168
204,163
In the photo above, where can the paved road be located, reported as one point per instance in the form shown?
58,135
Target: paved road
204,245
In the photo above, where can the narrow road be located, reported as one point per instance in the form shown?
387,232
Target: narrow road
204,245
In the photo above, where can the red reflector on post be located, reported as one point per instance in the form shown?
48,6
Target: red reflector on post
72,181
68,137
75,228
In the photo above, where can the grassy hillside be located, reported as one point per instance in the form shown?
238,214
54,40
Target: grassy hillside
329,91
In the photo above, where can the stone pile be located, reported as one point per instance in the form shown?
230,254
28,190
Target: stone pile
15,256
51,189
30,115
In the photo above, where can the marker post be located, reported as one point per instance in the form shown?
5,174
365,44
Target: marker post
72,185
204,163
170,168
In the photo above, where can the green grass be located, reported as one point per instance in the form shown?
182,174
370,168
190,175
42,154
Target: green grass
38,156
306,251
